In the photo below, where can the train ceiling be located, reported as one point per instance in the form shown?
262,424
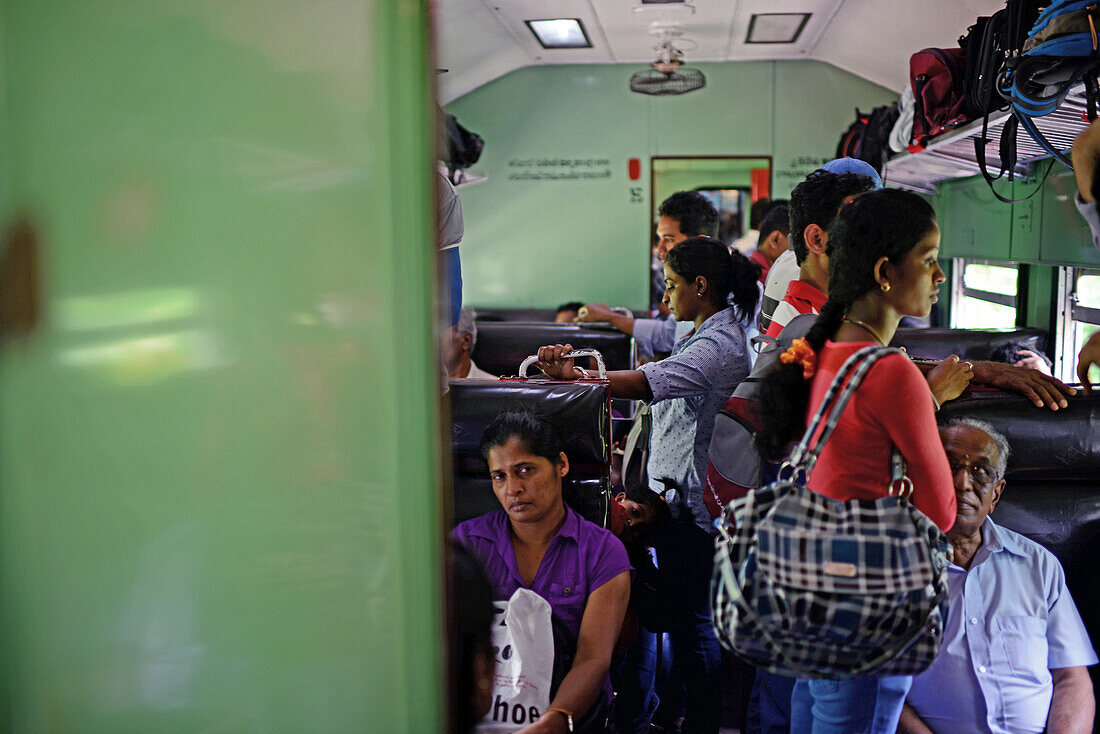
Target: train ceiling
481,40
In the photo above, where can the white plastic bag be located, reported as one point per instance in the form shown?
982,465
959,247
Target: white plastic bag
523,645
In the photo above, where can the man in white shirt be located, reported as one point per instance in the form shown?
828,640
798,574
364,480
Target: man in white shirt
1015,651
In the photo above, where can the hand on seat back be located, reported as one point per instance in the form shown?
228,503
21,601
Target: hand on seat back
594,312
949,378
1034,385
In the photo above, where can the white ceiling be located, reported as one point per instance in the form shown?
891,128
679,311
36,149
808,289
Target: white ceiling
480,40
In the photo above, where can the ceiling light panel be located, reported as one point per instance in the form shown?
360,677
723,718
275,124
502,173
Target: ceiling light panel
776,27
559,33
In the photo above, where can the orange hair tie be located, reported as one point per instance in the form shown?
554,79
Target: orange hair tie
802,353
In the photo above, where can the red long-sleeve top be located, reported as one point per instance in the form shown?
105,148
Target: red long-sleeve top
891,407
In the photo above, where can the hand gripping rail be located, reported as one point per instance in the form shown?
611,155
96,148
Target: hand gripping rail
571,355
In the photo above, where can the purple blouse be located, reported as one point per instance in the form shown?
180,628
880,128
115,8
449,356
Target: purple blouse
581,558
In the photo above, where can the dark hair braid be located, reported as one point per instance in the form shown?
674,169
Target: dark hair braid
884,223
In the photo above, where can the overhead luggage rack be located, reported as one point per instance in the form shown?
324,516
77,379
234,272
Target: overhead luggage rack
951,155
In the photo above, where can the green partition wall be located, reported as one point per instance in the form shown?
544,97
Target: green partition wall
1045,228
219,447
540,232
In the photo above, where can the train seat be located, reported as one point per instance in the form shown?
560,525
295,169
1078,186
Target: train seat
1046,445
502,346
972,344
579,410
492,315
528,314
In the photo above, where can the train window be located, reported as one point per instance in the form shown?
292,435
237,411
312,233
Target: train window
1079,317
984,294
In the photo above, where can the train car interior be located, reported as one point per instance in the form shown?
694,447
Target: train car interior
233,441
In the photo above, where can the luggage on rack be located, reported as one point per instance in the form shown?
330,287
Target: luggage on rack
992,43
902,132
867,138
939,97
1062,50
989,44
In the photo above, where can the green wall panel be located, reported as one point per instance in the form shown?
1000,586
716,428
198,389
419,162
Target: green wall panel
973,223
1041,289
218,452
814,103
537,236
1046,228
1027,220
1066,238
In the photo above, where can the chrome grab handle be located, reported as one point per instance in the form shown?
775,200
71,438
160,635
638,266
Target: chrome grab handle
571,355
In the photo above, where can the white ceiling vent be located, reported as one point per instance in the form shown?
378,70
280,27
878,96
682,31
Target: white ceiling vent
776,27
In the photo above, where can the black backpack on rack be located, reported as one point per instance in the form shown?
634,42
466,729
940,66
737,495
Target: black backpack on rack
868,138
990,44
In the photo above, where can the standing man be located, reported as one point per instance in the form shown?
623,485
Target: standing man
813,209
773,241
786,267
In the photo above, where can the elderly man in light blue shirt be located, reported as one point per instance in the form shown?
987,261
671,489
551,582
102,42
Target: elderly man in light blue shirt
1015,652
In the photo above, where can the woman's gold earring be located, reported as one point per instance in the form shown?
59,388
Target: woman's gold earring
885,287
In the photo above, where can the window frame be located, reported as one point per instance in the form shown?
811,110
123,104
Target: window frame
1069,313
960,291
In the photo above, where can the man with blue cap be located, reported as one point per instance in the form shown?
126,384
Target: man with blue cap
804,267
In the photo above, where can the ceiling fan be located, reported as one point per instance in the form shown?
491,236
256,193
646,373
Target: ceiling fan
667,74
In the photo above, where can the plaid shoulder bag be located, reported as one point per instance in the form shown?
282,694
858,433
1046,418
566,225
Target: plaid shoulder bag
811,587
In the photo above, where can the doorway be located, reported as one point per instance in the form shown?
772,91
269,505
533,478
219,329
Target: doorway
731,183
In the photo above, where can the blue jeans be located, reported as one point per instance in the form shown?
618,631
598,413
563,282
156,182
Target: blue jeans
867,705
770,704
633,673
686,560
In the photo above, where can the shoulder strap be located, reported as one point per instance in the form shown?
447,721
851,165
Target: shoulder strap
832,405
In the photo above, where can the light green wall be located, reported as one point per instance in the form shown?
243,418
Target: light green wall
537,243
1046,228
219,451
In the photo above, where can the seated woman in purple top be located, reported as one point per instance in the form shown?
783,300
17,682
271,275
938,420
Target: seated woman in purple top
536,542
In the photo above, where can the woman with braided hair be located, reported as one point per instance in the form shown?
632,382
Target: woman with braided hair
882,266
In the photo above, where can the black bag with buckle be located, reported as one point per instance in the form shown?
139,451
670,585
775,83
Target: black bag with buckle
990,44
868,137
